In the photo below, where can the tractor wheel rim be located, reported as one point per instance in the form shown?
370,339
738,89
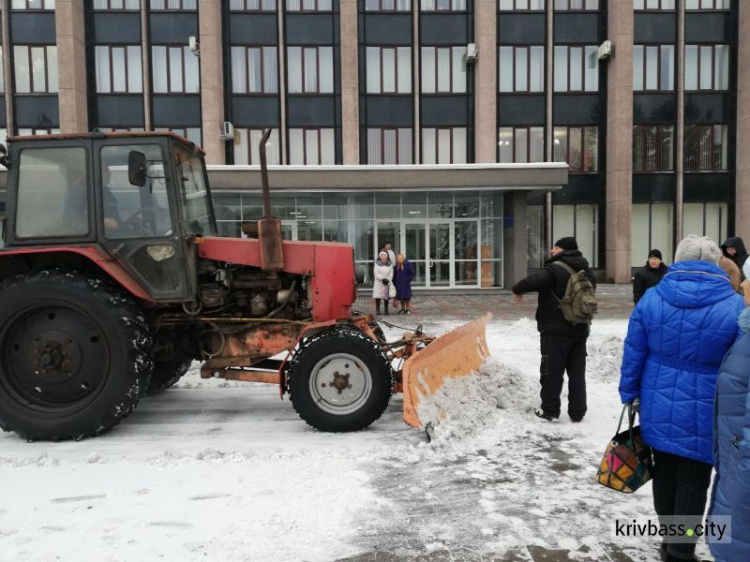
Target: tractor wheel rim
54,358
340,384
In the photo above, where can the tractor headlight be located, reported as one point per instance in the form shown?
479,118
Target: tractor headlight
161,252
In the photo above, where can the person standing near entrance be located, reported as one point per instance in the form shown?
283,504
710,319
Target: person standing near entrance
403,274
383,278
649,275
563,344
391,254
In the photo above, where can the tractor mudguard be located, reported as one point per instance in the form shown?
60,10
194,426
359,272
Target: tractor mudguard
113,269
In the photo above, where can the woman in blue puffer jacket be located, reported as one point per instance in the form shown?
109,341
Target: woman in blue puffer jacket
731,495
678,334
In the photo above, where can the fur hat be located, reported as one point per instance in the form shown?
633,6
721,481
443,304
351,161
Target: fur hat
698,248
568,243
655,254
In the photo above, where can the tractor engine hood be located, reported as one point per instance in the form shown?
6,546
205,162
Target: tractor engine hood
329,265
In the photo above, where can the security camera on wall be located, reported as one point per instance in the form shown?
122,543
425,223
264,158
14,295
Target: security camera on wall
194,46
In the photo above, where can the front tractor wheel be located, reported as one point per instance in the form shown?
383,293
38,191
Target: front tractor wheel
75,355
340,381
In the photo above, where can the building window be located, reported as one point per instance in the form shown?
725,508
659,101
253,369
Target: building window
2,70
118,70
312,147
255,70
706,147
571,5
653,148
175,70
117,4
120,129
706,67
389,70
654,5
310,70
708,5
520,145
576,69
32,5
521,69
252,5
309,5
388,5
445,145
706,219
578,146
521,5
191,5
390,146
581,222
247,147
443,5
36,69
651,226
443,70
653,67
193,134
37,131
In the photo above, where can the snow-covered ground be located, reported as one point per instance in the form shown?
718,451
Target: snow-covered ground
225,471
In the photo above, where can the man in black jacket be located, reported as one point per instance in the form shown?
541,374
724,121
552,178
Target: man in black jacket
563,344
649,275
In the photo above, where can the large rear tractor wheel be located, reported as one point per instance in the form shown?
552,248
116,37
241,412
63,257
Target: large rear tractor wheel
75,355
340,381
167,374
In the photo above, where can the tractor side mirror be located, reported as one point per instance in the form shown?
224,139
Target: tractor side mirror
4,160
137,168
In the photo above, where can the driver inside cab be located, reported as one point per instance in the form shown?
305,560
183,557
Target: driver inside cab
112,219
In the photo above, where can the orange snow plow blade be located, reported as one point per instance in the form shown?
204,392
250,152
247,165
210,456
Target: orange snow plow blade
455,354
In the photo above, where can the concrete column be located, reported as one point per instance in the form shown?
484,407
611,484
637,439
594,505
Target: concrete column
549,124
7,70
283,131
742,212
515,238
619,141
146,64
349,81
416,72
212,79
485,77
679,168
71,56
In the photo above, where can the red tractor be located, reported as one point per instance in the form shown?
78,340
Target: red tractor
113,280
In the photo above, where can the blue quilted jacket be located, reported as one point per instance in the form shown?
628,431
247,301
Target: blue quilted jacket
731,495
678,334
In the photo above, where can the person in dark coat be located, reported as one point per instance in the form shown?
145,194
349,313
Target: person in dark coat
649,275
731,493
734,249
403,275
677,336
563,344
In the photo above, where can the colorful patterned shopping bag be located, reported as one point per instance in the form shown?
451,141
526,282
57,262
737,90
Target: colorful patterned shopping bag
626,465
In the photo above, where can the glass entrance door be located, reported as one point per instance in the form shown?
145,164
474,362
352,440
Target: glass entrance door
415,250
440,252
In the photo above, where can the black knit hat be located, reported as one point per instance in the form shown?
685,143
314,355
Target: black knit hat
655,254
568,243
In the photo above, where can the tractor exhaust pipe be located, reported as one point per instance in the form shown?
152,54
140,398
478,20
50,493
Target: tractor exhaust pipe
269,228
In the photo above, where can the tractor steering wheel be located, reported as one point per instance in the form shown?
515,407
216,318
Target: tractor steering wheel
143,221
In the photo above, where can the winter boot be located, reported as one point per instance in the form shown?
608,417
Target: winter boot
545,415
386,307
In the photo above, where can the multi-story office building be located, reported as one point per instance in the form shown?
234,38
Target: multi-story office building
647,101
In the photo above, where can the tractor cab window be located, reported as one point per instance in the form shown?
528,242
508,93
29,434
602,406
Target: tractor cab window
132,211
53,193
194,194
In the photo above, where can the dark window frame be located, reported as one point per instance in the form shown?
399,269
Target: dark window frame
711,128
583,7
517,9
382,143
166,7
109,7
659,9
713,9
582,129
303,69
303,10
449,10
712,47
660,136
567,89
644,69
449,128
526,128
259,10
32,91
318,131
169,91
27,9
112,72
437,91
395,49
264,91
515,89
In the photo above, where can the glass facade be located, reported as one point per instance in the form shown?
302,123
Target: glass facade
454,239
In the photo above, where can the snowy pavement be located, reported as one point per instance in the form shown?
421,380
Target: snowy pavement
225,471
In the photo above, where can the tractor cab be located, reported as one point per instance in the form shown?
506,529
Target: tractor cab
141,197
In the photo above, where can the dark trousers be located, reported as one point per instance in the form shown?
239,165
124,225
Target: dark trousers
560,354
680,488
377,305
